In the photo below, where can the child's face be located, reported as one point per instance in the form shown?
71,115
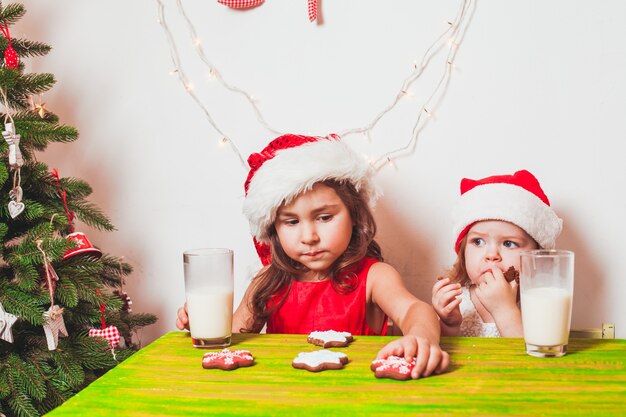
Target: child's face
315,228
494,244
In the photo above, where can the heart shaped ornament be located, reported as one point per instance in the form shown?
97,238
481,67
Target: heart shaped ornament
110,333
15,208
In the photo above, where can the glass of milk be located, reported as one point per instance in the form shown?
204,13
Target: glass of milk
546,292
209,294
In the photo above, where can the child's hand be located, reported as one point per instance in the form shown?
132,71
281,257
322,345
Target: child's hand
446,303
496,294
182,322
429,356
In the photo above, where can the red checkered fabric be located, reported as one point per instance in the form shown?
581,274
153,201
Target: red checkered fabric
111,334
241,4
312,10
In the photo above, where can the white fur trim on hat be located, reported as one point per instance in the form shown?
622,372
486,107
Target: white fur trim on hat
293,171
510,203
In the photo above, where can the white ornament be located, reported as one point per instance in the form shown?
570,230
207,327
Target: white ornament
53,326
15,155
6,321
15,208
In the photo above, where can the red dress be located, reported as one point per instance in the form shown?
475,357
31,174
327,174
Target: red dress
317,306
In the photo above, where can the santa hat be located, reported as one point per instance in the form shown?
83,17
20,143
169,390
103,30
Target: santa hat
291,165
516,198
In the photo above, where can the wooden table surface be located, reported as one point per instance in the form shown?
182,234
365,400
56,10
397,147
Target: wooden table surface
488,377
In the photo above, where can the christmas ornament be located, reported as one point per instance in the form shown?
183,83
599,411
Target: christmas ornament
49,271
110,333
54,326
248,4
15,155
126,299
11,60
39,108
6,322
16,161
83,246
241,4
53,318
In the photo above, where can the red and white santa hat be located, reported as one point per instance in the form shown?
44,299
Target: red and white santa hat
516,198
290,165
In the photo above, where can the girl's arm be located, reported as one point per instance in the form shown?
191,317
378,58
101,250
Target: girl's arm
417,320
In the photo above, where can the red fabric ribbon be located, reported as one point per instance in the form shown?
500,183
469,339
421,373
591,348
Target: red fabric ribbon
312,10
63,194
104,324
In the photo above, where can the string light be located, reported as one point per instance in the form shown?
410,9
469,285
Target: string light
451,38
183,79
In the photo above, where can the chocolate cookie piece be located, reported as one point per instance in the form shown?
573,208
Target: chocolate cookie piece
393,367
320,360
512,274
227,359
330,338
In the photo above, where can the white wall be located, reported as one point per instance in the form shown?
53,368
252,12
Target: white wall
538,85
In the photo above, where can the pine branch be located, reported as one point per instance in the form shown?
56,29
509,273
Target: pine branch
22,406
26,380
12,13
27,306
91,215
65,365
26,48
19,88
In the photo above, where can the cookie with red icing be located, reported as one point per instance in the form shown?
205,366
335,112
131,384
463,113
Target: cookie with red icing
330,338
320,360
227,359
393,367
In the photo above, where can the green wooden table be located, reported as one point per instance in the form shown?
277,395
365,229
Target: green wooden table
489,377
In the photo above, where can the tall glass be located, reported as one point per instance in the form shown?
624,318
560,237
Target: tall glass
209,294
546,293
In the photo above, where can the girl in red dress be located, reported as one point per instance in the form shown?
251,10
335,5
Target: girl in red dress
308,202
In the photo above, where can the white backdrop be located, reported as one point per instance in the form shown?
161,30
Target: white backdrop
537,85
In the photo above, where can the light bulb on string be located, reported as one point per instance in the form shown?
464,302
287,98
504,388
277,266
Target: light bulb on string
452,36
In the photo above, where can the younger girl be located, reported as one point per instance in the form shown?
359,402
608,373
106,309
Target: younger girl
497,217
307,201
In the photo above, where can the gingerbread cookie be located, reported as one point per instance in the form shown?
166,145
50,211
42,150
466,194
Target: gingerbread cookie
512,274
330,338
393,367
320,360
227,359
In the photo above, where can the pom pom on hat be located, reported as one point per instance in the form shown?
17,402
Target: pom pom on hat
289,166
516,198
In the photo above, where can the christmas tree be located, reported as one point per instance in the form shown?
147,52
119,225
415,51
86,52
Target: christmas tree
64,316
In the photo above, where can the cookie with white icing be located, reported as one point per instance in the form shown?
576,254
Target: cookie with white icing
320,360
227,359
393,367
330,338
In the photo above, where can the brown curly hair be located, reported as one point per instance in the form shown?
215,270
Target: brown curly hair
278,277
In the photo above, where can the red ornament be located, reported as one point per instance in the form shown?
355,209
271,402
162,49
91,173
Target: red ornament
111,334
84,247
11,60
241,4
